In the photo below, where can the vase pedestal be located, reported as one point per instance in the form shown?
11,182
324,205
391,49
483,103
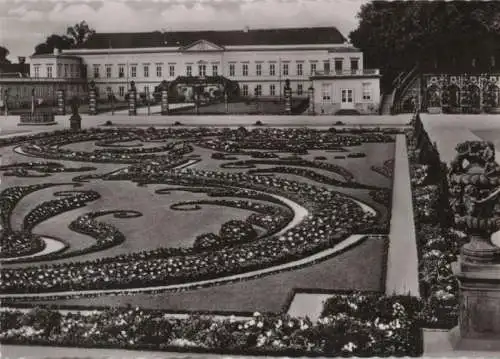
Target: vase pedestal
479,299
75,122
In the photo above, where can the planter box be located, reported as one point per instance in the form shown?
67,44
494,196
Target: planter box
36,119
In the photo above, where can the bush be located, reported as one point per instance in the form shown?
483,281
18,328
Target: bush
108,123
259,123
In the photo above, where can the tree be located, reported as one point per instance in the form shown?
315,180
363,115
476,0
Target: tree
4,52
395,36
75,36
53,42
80,33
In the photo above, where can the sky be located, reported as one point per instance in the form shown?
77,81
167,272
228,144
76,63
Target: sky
26,23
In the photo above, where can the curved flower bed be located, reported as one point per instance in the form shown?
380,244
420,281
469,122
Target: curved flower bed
185,206
386,170
44,167
333,218
375,326
231,233
52,208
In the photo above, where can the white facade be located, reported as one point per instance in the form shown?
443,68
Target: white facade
261,66
56,66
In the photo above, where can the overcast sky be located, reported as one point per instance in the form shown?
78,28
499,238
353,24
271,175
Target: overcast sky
25,23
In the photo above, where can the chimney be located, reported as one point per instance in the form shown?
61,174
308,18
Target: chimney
57,51
21,60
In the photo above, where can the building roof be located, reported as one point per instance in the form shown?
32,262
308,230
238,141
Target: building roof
61,56
285,36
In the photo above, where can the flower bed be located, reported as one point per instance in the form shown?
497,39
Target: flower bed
347,332
438,242
386,170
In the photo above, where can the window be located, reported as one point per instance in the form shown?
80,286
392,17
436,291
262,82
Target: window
59,70
326,66
338,65
244,69
146,70
300,71
272,90
121,71
326,92
202,70
96,71
146,89
49,71
108,71
272,69
258,90
133,71
189,70
258,69
367,91
300,89
159,70
36,69
121,91
285,69
171,70
66,70
215,70
232,70
354,65
313,68
245,90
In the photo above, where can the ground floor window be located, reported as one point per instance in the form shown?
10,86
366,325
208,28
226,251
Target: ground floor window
367,92
326,92
272,90
245,90
121,90
258,90
300,89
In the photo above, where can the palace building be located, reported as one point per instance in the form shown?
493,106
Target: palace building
259,60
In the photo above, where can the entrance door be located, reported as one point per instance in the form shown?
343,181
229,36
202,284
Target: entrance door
347,100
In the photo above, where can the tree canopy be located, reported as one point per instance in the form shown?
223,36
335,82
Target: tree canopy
4,52
75,36
398,35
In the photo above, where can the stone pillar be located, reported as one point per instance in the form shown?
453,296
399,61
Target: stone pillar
310,93
474,182
92,99
226,101
288,98
61,102
132,100
6,102
164,98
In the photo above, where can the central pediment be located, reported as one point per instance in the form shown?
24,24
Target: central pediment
202,46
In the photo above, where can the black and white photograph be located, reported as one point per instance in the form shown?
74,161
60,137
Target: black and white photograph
204,179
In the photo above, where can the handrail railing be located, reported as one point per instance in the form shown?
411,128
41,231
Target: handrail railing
400,91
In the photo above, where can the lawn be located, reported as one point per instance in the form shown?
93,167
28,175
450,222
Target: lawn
359,268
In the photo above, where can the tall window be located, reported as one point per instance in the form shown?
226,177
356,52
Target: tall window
367,91
300,89
258,69
258,90
96,71
159,70
326,66
272,69
300,70
232,69
215,70
171,70
121,71
36,69
285,69
244,69
108,71
272,90
245,90
189,70
49,71
121,91
354,65
338,65
326,92
202,70
66,70
59,70
146,70
313,68
133,71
